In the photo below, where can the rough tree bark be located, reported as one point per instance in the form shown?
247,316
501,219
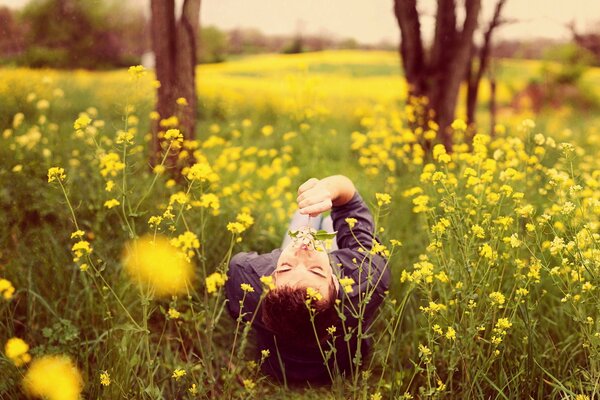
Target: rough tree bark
174,46
437,77
479,64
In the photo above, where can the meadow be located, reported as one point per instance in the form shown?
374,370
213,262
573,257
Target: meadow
494,249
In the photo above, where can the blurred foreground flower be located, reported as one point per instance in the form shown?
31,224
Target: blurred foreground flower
53,378
157,264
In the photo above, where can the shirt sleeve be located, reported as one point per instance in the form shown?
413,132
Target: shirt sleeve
362,232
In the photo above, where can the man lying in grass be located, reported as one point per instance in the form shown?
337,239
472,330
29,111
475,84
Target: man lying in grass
315,317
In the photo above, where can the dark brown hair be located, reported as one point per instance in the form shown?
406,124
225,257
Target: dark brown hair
285,312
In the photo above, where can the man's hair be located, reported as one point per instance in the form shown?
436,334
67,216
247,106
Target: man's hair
286,313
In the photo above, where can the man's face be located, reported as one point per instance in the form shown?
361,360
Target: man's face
301,266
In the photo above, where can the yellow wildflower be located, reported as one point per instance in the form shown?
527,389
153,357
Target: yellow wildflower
249,384
267,280
53,378
178,373
7,290
246,288
214,281
351,222
186,242
111,203
347,283
56,173
313,294
497,298
137,71
104,378
174,135
80,249
82,122
383,199
173,313
17,350
155,263
110,164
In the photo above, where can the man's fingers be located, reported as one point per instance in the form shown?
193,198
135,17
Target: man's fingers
307,185
311,197
317,208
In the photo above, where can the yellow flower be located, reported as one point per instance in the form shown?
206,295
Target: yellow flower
77,234
81,249
245,219
267,130
478,231
182,101
235,227
104,378
110,164
497,298
486,251
383,199
111,203
82,122
178,373
313,294
451,333
7,290
186,242
174,135
267,280
137,71
201,172
214,281
54,378
110,184
351,222
249,384
56,173
125,136
157,264
459,125
17,350
173,313
347,283
246,288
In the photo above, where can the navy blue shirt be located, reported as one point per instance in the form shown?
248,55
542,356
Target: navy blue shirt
371,277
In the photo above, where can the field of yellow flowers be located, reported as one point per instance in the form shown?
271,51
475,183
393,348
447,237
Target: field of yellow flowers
494,249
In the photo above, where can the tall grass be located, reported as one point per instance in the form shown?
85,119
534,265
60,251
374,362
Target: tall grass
494,290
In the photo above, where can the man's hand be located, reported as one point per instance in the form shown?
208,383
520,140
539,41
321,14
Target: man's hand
314,197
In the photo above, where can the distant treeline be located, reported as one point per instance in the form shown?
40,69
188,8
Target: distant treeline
110,34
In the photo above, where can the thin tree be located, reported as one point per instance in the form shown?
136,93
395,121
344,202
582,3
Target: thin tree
479,64
174,46
438,74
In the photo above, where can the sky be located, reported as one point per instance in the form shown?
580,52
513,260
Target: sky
372,21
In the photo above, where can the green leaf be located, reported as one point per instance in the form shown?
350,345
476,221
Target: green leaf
324,235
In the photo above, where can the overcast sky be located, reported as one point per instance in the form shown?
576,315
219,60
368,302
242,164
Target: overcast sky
371,21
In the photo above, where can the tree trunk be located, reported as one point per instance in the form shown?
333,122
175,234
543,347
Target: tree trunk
174,45
493,106
474,77
438,77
